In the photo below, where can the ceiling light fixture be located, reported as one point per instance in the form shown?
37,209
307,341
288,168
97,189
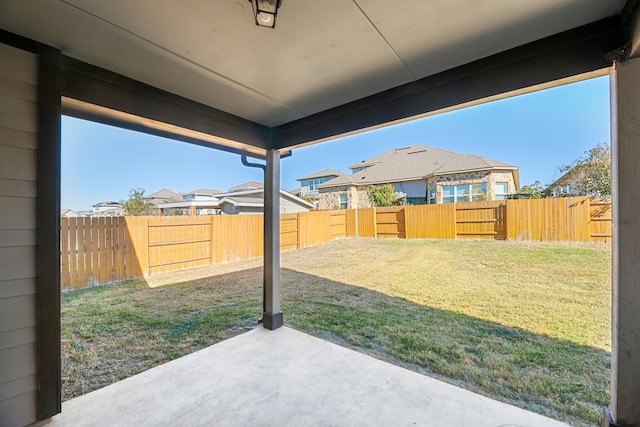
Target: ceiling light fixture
265,11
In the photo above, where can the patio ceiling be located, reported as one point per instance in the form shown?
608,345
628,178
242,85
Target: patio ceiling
322,55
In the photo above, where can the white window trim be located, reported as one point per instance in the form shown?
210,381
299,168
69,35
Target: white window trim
455,192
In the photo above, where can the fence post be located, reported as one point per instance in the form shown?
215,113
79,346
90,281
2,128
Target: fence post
508,226
455,221
298,232
213,243
375,223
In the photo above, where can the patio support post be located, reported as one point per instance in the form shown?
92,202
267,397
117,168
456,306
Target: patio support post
625,345
272,317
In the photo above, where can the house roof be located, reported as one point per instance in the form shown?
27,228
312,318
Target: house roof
107,204
321,174
213,54
413,163
243,201
165,193
246,185
204,192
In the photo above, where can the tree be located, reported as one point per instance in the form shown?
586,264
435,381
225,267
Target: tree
591,173
383,195
137,205
308,198
532,191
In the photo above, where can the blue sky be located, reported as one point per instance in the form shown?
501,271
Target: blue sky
536,132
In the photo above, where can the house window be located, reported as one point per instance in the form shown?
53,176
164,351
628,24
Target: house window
344,201
463,193
414,200
479,192
312,184
432,196
501,191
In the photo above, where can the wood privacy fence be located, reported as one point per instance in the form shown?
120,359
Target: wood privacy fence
108,250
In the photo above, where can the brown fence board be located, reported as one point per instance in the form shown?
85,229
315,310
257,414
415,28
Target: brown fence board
600,226
338,223
481,220
314,228
237,237
430,221
288,231
81,223
363,222
552,219
73,254
119,258
176,243
65,251
390,222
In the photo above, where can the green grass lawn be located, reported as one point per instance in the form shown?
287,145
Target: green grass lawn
525,323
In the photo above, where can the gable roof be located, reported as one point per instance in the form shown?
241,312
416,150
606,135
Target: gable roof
165,193
204,191
413,163
243,201
321,174
246,185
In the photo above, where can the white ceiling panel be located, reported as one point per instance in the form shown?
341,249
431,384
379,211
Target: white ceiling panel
441,34
322,54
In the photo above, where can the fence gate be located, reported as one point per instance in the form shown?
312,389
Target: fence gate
481,220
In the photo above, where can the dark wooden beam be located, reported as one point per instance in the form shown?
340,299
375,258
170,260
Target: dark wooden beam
48,209
571,53
103,88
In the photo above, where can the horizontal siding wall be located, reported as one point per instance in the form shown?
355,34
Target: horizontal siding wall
18,199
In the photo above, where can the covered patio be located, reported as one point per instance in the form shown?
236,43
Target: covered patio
203,72
286,378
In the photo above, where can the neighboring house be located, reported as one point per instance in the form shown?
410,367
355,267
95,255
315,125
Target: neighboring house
201,194
247,186
108,208
565,186
238,202
164,196
68,213
423,175
309,184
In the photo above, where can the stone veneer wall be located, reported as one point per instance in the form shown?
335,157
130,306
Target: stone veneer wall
490,178
329,198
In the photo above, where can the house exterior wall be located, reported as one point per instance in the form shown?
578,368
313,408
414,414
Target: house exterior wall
329,198
18,227
308,186
357,197
288,206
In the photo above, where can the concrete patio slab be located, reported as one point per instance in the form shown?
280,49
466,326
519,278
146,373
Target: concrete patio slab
286,378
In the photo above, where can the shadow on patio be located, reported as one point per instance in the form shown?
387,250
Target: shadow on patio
286,377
